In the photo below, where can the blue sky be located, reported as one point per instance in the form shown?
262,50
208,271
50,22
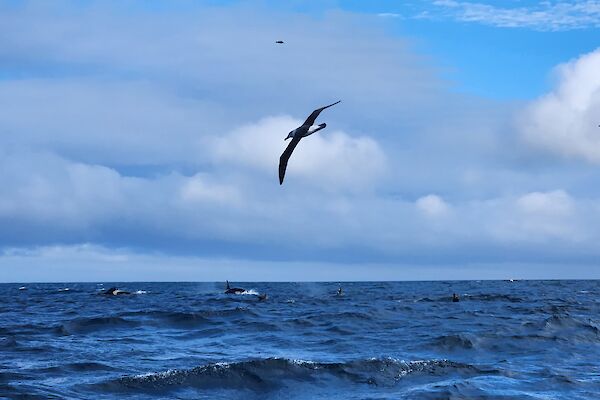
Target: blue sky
484,57
140,140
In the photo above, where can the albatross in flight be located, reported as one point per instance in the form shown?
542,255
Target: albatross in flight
304,130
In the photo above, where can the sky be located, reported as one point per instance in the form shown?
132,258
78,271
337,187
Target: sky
139,141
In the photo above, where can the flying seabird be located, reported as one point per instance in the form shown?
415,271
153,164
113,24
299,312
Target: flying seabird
279,42
303,130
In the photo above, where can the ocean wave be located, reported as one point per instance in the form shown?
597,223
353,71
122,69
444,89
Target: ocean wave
453,342
75,367
473,297
511,349
561,322
345,316
564,327
26,329
492,297
431,300
8,376
228,312
88,325
8,342
263,374
175,319
468,390
180,319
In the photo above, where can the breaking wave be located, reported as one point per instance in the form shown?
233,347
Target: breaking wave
271,373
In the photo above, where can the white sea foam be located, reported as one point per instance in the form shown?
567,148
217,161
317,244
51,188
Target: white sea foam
156,375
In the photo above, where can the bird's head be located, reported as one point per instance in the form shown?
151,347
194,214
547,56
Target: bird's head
290,135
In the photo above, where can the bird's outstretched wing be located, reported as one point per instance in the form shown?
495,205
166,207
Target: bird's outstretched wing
313,117
285,156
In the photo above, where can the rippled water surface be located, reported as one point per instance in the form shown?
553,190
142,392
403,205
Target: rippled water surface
407,340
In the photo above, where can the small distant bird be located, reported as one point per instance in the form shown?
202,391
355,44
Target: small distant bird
279,42
303,130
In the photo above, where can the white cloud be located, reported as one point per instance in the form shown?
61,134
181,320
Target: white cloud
45,187
432,205
537,218
555,203
57,196
197,189
543,16
565,121
329,158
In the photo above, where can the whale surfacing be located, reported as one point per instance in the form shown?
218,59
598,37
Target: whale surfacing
230,290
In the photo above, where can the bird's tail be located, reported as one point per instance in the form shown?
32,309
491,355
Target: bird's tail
318,128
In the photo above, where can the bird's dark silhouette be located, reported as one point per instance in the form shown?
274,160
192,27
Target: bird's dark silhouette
279,42
297,134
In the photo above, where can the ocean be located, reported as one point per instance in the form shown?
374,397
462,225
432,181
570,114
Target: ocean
379,340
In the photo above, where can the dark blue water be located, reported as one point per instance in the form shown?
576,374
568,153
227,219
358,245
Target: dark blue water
503,340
